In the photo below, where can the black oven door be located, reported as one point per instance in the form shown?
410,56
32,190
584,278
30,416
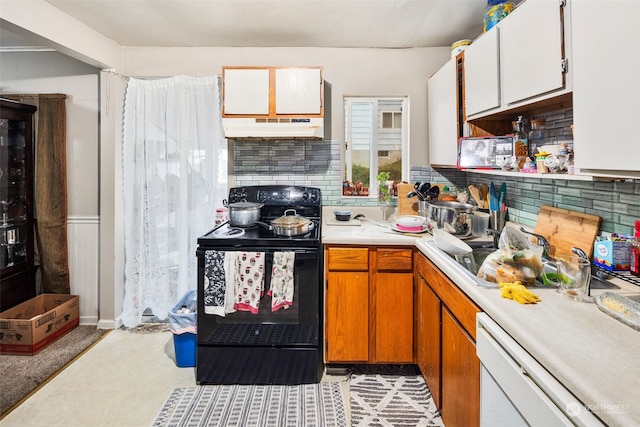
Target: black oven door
296,326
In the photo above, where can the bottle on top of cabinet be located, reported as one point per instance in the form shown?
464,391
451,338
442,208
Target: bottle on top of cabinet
520,139
635,251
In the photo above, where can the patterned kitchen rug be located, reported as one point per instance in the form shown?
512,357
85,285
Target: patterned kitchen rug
391,400
309,405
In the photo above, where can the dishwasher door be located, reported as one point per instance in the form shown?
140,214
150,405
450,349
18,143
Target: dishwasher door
516,390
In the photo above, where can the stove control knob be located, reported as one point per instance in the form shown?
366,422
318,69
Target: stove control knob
314,196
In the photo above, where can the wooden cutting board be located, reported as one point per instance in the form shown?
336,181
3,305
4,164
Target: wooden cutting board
407,206
565,229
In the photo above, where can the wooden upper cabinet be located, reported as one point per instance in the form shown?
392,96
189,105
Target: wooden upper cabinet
272,91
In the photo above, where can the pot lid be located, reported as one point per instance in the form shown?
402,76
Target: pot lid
245,205
293,220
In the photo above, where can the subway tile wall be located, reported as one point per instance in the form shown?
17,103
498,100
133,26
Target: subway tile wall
296,162
317,164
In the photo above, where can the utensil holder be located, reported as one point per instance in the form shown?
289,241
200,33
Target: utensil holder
497,219
423,208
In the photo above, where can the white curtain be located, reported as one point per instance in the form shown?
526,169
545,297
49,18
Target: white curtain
174,176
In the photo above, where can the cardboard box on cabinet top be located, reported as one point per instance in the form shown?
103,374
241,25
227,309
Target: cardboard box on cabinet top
29,327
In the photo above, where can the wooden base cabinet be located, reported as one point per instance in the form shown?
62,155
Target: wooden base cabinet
347,305
369,311
446,352
428,337
460,375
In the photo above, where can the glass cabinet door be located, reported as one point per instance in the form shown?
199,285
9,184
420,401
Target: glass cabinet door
16,195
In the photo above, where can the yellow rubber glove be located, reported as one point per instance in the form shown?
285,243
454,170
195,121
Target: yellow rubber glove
517,292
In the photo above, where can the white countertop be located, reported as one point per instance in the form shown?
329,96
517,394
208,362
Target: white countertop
596,357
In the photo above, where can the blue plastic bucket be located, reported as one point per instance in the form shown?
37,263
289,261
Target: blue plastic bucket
185,349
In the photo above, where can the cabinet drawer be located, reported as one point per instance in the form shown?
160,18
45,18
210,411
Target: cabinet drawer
348,259
390,259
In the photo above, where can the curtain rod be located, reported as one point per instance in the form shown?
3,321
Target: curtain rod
115,73
39,95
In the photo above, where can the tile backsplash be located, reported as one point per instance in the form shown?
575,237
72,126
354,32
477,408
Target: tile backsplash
317,164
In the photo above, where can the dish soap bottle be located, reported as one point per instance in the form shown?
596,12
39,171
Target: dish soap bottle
635,252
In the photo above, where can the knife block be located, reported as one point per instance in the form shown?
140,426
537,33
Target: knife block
407,205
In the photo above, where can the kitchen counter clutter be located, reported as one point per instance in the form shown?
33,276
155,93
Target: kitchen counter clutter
593,355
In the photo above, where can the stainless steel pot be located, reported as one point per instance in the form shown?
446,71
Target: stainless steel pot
289,225
452,217
243,214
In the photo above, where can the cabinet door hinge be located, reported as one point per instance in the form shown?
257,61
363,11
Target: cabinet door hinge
565,65
563,3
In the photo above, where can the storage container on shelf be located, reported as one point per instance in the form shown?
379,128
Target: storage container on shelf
459,46
495,11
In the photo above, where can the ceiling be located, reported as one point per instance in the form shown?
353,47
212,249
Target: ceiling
271,23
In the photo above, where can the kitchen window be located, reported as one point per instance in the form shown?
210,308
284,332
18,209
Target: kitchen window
376,140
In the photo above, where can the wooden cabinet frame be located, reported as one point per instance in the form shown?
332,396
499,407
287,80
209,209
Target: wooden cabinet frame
445,337
384,280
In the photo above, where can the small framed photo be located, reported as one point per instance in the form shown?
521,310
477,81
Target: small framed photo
484,152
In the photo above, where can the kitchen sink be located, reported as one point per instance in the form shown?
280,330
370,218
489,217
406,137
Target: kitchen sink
483,249
597,283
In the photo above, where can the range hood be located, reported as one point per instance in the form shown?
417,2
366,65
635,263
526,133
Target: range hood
273,128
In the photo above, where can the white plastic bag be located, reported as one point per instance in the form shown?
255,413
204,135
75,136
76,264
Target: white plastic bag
515,259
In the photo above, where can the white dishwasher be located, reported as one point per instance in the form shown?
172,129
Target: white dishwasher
515,390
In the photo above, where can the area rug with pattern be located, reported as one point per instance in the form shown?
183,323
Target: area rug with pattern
309,405
391,400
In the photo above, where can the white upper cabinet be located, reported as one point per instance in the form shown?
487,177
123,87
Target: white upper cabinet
481,74
273,91
606,83
520,61
298,91
442,107
246,91
531,50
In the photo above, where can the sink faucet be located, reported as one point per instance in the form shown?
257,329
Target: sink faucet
595,271
542,241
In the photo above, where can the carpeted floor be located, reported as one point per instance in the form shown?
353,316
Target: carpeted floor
21,375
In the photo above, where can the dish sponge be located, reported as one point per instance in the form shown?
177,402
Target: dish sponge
517,292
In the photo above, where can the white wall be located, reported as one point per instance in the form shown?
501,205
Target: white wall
51,72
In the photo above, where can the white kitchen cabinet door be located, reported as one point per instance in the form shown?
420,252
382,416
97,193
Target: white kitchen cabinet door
606,85
531,40
298,91
442,105
246,91
481,74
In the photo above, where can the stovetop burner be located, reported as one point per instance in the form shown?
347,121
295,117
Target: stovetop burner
225,230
